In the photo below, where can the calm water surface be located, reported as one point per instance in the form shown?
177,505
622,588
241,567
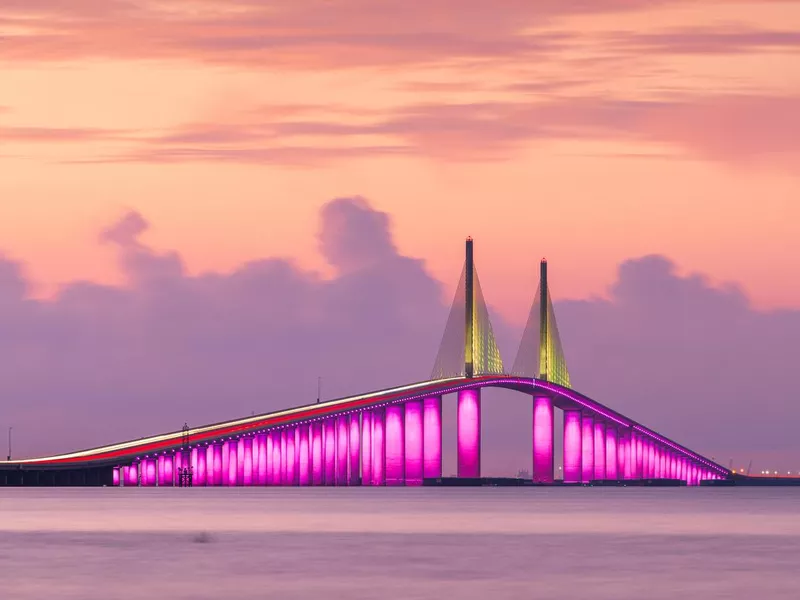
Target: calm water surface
492,543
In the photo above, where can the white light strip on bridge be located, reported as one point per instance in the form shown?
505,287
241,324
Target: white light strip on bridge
177,436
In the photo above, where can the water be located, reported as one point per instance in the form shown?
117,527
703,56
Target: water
465,543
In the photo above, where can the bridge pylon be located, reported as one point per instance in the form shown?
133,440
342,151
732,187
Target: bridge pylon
468,345
540,353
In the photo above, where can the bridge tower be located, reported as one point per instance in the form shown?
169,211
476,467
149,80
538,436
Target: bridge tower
541,356
469,350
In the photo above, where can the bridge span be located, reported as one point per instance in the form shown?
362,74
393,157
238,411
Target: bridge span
393,437
388,437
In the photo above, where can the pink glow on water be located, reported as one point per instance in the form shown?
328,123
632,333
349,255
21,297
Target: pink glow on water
432,433
366,448
414,469
395,441
587,448
572,446
469,433
543,440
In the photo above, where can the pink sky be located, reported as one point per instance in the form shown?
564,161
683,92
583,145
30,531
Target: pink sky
588,132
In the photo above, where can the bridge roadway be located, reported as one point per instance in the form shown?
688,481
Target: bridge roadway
386,437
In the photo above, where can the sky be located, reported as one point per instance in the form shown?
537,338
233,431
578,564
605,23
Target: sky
206,199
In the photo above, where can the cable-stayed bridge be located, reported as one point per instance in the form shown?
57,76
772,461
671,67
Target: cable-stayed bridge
393,437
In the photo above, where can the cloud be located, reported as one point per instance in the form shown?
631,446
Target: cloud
694,359
302,34
100,363
732,128
705,41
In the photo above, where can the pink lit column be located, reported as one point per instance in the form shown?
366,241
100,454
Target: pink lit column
599,450
432,436
414,470
629,459
261,474
317,468
342,449
290,457
233,462
149,472
366,447
572,446
611,453
469,433
201,473
633,449
240,461
193,454
543,440
275,464
160,475
284,457
587,448
395,443
215,464
270,457
177,465
639,457
623,443
115,476
304,476
329,439
132,478
247,458
378,447
354,448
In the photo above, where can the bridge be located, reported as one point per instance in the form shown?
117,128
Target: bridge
393,437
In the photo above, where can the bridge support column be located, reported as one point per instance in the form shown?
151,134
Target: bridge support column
115,477
395,445
634,447
414,451
291,472
148,466
366,447
226,459
342,449
329,439
623,450
276,458
260,477
651,459
639,457
587,448
469,433
354,448
317,464
304,455
432,433
215,464
611,453
599,450
543,440
379,446
247,459
285,458
201,474
572,446
233,462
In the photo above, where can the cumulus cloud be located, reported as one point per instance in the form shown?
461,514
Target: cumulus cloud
101,363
